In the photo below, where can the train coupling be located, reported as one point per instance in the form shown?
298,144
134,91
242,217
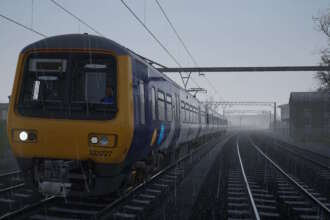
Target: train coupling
54,188
53,176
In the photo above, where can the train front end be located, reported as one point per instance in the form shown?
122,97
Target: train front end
70,119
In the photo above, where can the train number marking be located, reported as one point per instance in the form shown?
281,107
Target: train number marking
100,153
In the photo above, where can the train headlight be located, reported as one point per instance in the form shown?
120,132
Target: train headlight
104,140
23,136
94,140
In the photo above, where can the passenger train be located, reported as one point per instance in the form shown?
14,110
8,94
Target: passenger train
87,115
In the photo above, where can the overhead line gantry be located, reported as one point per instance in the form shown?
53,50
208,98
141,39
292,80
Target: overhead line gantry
244,69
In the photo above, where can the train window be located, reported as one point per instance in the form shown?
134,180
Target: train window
169,111
195,115
46,88
177,107
186,116
161,105
94,82
95,86
75,85
187,112
142,103
182,112
153,103
190,114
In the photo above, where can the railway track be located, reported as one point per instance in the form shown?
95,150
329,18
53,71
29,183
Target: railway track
14,194
310,155
240,199
246,198
136,203
9,179
304,166
283,195
227,193
246,183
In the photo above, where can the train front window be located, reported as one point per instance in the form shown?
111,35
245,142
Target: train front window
81,86
44,81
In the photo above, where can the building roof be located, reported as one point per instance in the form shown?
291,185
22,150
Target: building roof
284,106
3,106
309,97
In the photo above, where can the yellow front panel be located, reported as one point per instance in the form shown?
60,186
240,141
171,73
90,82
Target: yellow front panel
68,139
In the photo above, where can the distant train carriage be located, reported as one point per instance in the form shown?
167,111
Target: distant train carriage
85,111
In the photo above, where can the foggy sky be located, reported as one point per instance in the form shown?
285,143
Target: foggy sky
218,33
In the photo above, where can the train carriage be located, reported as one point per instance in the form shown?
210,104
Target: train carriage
85,111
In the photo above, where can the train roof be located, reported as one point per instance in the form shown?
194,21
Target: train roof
78,41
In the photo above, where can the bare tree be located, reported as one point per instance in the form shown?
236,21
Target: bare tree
323,25
324,76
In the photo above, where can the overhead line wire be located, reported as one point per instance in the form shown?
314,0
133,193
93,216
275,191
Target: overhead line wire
76,17
182,42
156,39
133,13
94,29
22,25
176,33
153,36
89,26
151,33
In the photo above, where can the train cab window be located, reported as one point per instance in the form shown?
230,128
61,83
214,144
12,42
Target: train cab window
142,103
98,88
95,88
169,110
69,85
153,103
45,80
161,105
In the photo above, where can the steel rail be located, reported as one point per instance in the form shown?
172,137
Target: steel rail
135,189
318,202
113,204
10,173
12,215
296,146
304,157
17,186
254,207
